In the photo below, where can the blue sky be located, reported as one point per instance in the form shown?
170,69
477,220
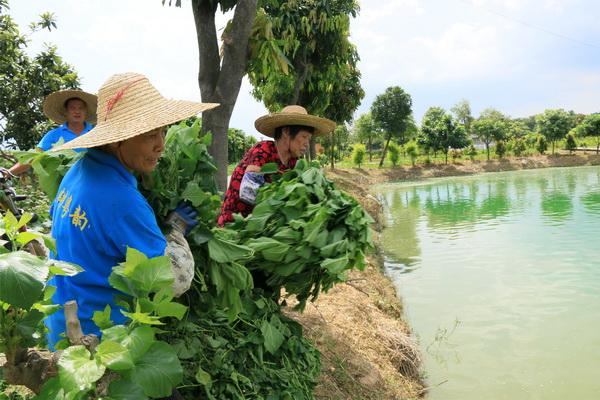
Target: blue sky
518,56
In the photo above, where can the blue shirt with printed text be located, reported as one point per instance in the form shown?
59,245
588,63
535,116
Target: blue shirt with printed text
61,132
96,215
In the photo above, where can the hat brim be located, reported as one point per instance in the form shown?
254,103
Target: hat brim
165,113
268,123
54,105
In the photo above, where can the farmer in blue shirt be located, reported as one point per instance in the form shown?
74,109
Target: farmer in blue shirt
99,212
72,109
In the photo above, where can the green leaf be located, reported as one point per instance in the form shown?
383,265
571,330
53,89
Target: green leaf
76,368
22,278
125,389
224,251
139,341
272,336
194,194
140,317
158,371
335,265
171,309
203,378
269,168
25,237
63,268
50,243
102,318
114,355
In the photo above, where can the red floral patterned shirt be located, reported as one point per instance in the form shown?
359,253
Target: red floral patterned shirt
261,153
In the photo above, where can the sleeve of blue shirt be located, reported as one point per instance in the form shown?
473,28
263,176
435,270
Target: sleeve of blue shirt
137,228
47,141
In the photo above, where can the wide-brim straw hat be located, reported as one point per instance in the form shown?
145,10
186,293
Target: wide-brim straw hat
128,106
293,115
55,106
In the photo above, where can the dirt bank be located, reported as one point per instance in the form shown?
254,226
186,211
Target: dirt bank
368,351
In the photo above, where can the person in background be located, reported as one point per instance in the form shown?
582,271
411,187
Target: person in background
98,212
291,129
74,111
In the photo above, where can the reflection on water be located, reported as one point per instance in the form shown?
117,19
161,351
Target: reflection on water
500,276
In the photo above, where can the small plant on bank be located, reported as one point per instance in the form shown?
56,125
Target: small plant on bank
570,143
541,145
411,152
358,154
394,153
500,148
455,154
519,147
471,152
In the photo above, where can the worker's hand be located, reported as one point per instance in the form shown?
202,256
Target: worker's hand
251,182
183,218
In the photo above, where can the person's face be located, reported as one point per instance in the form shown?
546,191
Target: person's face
76,111
141,153
300,143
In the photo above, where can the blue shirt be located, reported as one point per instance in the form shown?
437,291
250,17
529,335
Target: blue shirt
96,215
61,132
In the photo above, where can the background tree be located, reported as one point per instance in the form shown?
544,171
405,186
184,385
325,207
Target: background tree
439,132
394,153
26,81
590,126
337,144
462,113
365,131
411,151
392,111
358,154
237,144
554,124
318,64
490,126
570,143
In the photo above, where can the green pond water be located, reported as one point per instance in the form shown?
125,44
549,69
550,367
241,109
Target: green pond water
500,278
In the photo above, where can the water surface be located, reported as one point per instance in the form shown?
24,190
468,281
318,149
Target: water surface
500,277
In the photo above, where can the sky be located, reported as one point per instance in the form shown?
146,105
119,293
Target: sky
518,56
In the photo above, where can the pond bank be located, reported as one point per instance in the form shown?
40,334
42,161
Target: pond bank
368,351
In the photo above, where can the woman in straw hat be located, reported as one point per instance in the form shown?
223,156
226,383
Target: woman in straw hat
74,111
98,212
291,130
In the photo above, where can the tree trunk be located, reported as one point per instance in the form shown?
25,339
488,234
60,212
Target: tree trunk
487,149
385,151
220,83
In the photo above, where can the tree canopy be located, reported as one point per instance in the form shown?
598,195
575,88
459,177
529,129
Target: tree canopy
439,132
491,126
25,82
392,111
555,124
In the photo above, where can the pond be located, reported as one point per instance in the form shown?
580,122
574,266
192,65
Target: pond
500,277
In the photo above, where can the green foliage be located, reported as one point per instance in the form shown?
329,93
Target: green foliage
570,143
554,125
261,355
590,126
305,233
541,145
238,143
49,167
25,81
519,146
411,151
439,132
358,154
489,127
365,131
300,53
394,153
500,148
471,152
462,113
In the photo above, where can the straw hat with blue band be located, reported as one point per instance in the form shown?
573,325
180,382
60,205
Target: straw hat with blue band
128,106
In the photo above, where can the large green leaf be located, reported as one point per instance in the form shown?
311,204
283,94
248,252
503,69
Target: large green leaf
272,336
125,389
75,368
224,251
114,355
22,278
158,371
139,341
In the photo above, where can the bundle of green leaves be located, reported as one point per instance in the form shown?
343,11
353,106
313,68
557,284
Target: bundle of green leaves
261,355
306,234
